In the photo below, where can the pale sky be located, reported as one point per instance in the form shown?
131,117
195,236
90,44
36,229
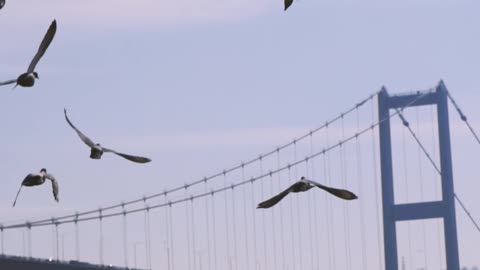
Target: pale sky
202,85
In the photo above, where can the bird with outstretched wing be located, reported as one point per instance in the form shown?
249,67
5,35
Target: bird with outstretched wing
304,185
97,150
27,79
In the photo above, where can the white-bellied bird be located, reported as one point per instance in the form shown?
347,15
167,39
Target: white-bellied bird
27,79
304,185
97,150
35,179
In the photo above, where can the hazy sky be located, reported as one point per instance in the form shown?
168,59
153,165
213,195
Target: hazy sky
201,85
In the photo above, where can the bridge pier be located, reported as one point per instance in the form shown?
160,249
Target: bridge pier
445,208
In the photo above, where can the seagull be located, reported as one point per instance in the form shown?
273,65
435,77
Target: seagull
35,179
288,3
304,185
97,150
27,79
2,3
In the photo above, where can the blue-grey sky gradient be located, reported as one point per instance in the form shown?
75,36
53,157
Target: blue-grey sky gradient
201,85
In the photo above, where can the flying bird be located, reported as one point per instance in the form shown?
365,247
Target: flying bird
35,179
27,79
2,3
304,185
97,150
288,3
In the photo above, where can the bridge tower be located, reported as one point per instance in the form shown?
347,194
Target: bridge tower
444,208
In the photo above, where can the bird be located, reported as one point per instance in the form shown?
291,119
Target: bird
27,79
2,3
36,179
97,150
303,185
288,3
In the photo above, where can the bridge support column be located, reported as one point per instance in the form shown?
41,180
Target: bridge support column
445,208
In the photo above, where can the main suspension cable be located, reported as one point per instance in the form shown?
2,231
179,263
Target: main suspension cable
182,200
405,123
463,117
216,175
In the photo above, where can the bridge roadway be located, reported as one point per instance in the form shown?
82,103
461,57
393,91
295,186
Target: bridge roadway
22,263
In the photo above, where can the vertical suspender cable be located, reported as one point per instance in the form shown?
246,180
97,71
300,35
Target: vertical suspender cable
214,225
315,216
245,224
100,219
420,172
282,232
299,229
309,208
235,251
346,221
274,247
410,256
331,230
189,257
255,248
326,204
358,152
265,255
167,235
24,252
57,241
375,182
170,219
228,257
125,247
292,229
29,240
53,237
207,215
77,239
148,245
193,235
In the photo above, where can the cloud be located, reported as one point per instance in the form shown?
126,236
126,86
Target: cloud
124,13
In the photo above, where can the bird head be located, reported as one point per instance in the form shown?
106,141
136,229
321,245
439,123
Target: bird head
43,170
36,75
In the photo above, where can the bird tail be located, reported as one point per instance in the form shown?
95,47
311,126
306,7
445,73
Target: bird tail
14,202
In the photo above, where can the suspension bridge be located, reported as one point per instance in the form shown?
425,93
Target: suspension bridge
393,151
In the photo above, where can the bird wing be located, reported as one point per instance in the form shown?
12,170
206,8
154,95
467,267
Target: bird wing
54,185
340,193
2,3
47,39
82,136
16,197
129,157
288,3
8,82
274,200
26,181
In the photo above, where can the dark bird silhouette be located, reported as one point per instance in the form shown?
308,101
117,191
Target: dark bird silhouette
35,179
288,3
27,79
304,185
2,3
97,150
